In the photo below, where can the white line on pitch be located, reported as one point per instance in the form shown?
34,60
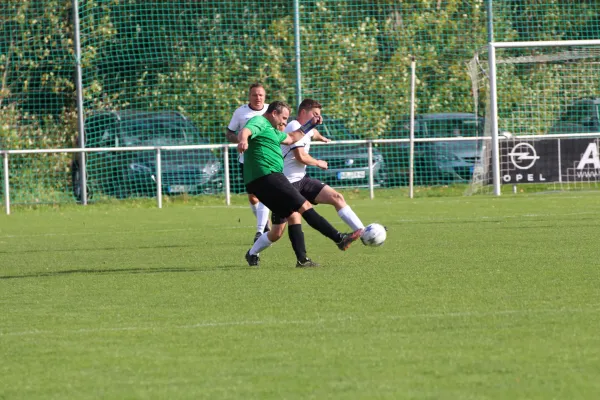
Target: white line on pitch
216,324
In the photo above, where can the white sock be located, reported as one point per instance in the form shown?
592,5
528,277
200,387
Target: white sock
262,217
253,208
262,243
350,218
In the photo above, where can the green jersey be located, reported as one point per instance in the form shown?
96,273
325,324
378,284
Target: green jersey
263,156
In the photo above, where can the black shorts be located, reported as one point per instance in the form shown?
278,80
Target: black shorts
309,188
277,193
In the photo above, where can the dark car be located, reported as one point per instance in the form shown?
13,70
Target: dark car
581,116
132,173
436,162
348,164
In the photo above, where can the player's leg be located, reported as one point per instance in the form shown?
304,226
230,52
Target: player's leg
265,189
260,211
283,199
292,200
252,199
296,236
262,219
254,203
317,222
318,192
308,188
328,195
266,240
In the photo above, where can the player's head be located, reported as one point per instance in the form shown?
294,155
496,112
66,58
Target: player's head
256,96
308,109
278,113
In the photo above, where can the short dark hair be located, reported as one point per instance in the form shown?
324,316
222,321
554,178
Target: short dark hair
278,106
309,104
255,85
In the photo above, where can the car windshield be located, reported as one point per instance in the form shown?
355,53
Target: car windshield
159,132
458,127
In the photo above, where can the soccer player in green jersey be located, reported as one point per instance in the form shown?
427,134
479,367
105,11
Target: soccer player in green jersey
260,142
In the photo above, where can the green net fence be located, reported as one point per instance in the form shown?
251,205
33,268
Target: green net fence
172,73
37,103
520,20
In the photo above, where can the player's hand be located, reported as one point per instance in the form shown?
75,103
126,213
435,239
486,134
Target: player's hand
311,123
322,164
325,140
242,147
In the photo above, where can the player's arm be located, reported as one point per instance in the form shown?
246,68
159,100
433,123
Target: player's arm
299,133
306,159
231,136
242,139
320,138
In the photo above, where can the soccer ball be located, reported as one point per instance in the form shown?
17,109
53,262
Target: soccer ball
374,235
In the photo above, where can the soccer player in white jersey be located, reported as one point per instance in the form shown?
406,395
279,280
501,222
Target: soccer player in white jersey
295,160
256,106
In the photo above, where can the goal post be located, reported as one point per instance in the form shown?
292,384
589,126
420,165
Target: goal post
532,91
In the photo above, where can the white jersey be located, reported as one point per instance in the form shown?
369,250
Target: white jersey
240,117
293,169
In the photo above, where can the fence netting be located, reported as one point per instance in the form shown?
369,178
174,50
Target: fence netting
163,73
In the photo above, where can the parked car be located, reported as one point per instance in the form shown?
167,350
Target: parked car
348,163
581,116
124,174
439,162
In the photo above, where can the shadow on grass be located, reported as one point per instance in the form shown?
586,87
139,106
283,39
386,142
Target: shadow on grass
125,271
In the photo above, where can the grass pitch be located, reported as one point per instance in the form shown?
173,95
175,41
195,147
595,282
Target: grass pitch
470,298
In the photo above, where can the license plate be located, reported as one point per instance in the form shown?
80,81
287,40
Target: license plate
178,188
351,174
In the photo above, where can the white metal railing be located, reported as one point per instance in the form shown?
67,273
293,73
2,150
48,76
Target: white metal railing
159,149
158,154
225,147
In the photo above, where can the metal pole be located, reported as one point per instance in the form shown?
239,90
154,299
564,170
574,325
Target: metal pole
227,182
411,167
370,147
6,185
494,112
158,178
493,100
297,47
559,163
79,90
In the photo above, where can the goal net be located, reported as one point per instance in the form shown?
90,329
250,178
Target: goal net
548,103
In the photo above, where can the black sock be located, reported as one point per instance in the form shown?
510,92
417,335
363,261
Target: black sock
297,239
321,224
